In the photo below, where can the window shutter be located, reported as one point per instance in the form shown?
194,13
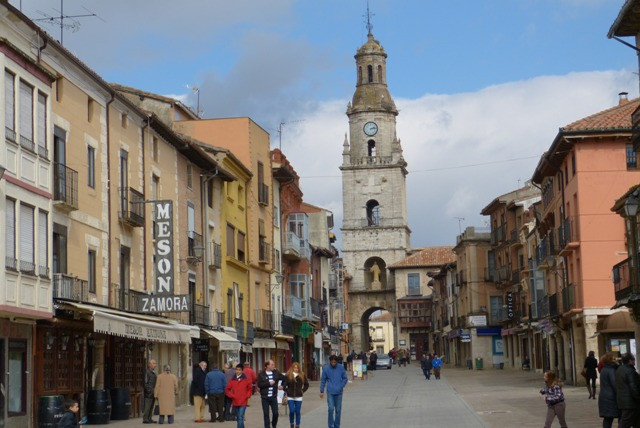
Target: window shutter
26,111
11,229
9,100
42,239
26,233
42,120
261,231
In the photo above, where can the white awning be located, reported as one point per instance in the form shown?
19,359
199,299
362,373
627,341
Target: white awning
282,344
118,325
225,342
247,349
264,343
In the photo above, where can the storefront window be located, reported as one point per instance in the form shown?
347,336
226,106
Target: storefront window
17,382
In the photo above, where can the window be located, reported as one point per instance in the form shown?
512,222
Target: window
369,74
90,106
371,148
92,270
632,158
230,307
154,149
43,244
297,282
17,378
231,247
210,193
298,225
360,75
189,176
10,239
373,213
26,116
241,246
495,304
124,181
276,216
42,125
276,261
413,282
59,89
26,239
380,77
241,201
91,167
573,163
124,120
10,105
236,300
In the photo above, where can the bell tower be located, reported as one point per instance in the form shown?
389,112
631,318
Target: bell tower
375,232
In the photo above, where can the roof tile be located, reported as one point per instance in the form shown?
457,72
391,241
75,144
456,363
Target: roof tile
429,256
618,117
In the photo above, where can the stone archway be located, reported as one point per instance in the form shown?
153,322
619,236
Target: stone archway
361,305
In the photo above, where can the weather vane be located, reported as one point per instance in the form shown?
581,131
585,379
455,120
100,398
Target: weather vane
369,15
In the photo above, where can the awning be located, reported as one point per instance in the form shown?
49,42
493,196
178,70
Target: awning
117,325
282,344
225,342
619,322
247,349
264,343
286,337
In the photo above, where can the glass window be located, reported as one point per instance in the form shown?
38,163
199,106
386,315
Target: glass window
42,125
92,271
10,240
231,247
10,104
26,114
189,176
632,158
26,239
241,246
91,167
413,281
17,378
43,233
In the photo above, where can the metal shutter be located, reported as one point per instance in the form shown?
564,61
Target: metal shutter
9,100
26,111
42,120
42,239
26,233
11,229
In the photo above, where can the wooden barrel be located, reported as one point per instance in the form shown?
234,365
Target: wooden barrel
50,411
98,407
120,404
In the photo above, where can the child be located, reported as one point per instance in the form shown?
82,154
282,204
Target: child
239,389
554,397
69,419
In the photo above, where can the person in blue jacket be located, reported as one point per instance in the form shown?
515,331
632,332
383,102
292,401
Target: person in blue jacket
214,385
334,377
437,365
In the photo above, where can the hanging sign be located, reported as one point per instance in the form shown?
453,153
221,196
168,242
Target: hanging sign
163,235
510,312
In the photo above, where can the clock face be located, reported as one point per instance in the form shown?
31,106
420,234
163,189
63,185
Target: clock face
370,128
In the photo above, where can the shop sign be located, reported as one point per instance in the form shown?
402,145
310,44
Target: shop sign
465,337
510,312
200,345
477,320
163,235
305,330
344,326
165,303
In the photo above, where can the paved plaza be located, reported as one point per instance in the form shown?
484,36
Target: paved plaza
462,398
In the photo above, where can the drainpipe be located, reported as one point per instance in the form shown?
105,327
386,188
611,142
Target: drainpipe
113,96
204,199
144,208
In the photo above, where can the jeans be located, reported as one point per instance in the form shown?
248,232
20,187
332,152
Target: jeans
294,410
270,402
240,414
427,373
335,404
552,412
148,408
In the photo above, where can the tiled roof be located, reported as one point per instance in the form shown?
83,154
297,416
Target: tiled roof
430,256
618,117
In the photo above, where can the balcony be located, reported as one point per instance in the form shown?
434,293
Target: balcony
568,298
553,305
263,194
199,315
10,134
514,238
239,326
293,307
125,299
423,320
295,248
622,279
285,324
65,187
264,319
27,267
217,318
250,332
543,307
378,338
194,246
569,239
215,255
131,207
504,274
503,315
264,251
27,143
11,263
70,288
499,234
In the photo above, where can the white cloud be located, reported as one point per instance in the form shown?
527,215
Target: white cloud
441,133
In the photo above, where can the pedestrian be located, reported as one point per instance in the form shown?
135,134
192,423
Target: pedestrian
252,376
198,391
607,403
628,392
295,387
214,385
229,411
437,365
554,397
373,359
166,391
70,418
590,371
364,371
335,379
350,362
426,365
270,381
239,390
394,355
149,389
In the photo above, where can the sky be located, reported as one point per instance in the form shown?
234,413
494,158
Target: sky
482,86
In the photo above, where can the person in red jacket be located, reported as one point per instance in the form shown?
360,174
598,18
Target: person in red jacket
252,376
239,389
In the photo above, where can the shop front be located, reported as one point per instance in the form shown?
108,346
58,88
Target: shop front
224,347
264,349
618,333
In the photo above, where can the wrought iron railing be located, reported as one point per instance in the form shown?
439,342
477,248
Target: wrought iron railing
199,314
263,194
11,263
126,299
239,326
264,319
28,267
70,288
65,185
132,206
9,134
264,251
27,143
315,307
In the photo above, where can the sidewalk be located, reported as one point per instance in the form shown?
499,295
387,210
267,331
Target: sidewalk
504,397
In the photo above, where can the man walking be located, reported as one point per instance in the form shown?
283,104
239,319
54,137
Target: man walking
197,388
252,376
270,381
373,359
149,387
628,392
214,385
437,365
334,377
426,365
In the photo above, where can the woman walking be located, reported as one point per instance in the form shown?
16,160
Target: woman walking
607,400
591,373
166,391
297,384
554,397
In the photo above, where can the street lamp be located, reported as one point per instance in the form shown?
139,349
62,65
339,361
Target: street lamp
275,286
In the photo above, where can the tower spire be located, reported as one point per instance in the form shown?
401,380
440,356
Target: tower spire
369,24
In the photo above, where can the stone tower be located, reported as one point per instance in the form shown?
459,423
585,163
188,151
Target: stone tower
375,232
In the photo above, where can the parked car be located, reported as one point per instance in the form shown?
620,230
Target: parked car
383,362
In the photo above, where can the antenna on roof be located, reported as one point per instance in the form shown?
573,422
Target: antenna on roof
460,220
74,26
368,16
283,123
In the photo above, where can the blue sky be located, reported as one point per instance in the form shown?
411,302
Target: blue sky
476,82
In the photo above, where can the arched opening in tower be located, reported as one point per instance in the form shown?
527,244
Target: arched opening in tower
370,73
371,148
373,213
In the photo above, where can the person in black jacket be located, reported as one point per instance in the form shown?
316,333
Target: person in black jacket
297,384
426,365
373,359
149,386
628,392
591,371
198,391
607,404
270,381
70,418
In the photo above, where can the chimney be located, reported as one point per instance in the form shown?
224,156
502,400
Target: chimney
624,98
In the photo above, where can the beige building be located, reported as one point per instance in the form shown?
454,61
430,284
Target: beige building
381,332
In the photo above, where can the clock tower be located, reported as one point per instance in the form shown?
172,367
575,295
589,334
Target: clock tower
375,233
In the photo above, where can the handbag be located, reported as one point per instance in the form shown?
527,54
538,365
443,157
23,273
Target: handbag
285,400
583,373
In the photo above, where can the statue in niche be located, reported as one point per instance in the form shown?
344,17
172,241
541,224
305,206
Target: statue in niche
375,270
